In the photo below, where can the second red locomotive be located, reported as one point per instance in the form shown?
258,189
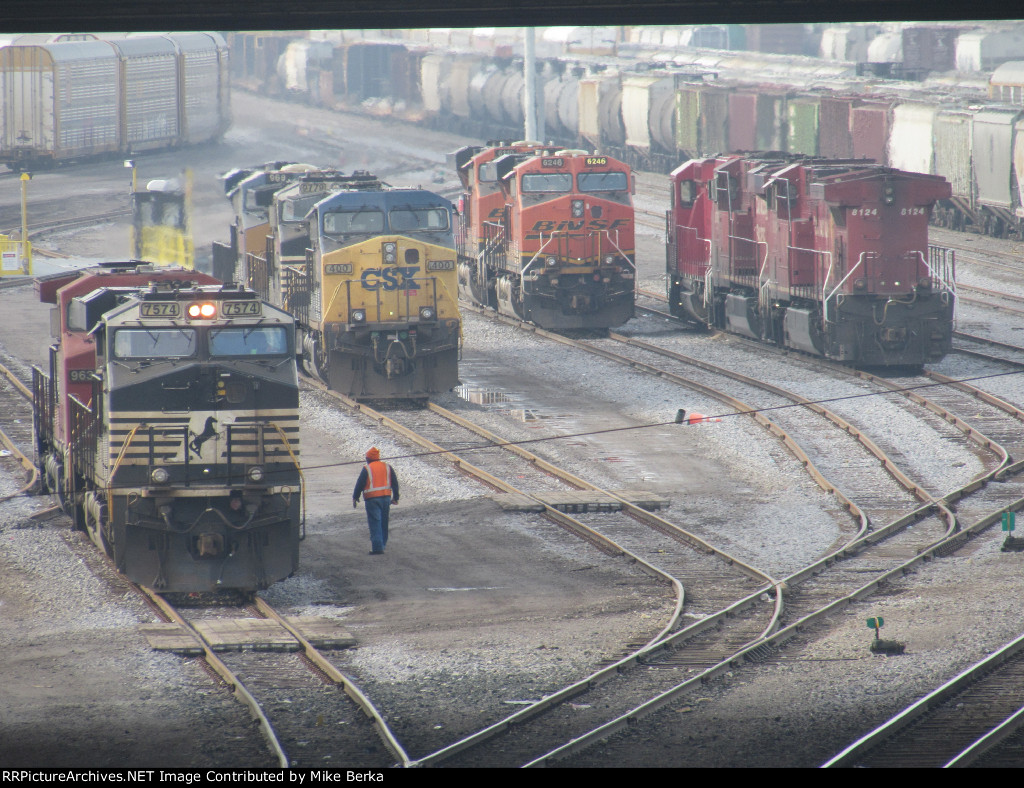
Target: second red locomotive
830,257
547,235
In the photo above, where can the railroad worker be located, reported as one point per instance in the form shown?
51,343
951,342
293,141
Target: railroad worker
378,485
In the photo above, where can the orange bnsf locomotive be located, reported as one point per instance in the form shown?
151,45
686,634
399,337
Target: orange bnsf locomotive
547,235
829,257
168,426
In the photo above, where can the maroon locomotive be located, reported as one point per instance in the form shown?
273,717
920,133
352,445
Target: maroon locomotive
830,257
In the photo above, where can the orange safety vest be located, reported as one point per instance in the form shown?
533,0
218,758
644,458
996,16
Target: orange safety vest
378,480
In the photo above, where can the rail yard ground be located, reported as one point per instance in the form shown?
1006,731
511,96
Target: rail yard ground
471,611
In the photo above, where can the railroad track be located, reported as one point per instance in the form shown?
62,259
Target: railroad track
975,719
829,584
741,596
292,695
65,223
17,435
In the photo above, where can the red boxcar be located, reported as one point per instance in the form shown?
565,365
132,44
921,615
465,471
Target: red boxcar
826,256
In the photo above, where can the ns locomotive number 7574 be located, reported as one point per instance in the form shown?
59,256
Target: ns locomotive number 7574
168,426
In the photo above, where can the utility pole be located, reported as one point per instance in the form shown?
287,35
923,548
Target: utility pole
530,85
26,247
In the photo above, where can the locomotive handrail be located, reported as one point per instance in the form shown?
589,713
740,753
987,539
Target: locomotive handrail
298,467
543,246
566,233
949,285
117,464
826,298
614,242
695,231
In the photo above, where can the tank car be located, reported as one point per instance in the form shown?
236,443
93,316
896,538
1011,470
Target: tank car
376,297
829,257
168,428
547,235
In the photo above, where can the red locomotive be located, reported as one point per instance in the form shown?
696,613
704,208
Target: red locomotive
546,235
830,257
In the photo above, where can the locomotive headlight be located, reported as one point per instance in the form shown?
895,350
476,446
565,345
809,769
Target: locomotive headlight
202,310
426,313
358,316
889,194
577,209
551,261
390,252
160,476
255,474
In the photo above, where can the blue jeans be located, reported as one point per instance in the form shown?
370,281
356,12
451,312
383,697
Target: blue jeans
377,511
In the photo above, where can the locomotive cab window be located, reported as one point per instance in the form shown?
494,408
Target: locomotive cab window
613,186
150,343
602,182
248,341
551,182
538,187
296,210
687,193
365,222
428,220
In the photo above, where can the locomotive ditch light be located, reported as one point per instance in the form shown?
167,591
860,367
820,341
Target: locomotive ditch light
924,283
551,261
577,209
160,476
609,259
255,474
426,313
860,284
202,310
358,316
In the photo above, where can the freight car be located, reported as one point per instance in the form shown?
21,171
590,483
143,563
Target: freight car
72,100
369,272
547,235
168,428
675,103
829,257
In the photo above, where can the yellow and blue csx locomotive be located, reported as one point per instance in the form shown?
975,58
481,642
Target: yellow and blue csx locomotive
377,296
